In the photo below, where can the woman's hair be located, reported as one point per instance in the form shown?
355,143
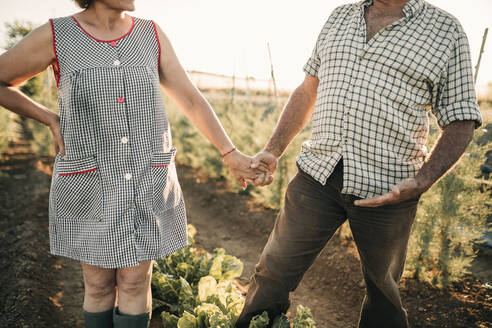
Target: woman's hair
83,3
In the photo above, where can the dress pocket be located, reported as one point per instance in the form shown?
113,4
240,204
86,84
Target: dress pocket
78,189
166,190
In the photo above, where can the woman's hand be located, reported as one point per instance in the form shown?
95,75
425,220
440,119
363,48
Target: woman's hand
267,163
54,126
240,166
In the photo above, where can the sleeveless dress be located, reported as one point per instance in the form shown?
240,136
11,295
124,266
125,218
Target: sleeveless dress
115,199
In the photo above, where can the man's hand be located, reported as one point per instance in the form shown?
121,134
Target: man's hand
240,166
406,189
264,164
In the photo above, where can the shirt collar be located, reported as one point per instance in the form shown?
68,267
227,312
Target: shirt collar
411,8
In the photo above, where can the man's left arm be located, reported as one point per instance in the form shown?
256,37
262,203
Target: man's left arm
457,114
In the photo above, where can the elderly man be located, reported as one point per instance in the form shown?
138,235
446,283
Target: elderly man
377,68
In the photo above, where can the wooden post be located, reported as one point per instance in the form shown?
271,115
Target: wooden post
480,55
233,89
271,70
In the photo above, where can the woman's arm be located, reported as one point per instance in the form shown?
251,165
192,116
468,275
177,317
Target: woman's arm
178,86
30,56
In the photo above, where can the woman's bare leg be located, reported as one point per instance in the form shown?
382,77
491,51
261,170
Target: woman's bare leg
99,285
134,294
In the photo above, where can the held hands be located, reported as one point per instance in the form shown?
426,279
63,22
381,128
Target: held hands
264,164
249,170
240,166
406,189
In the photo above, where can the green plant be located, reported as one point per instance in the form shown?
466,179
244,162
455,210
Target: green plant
451,218
207,297
9,127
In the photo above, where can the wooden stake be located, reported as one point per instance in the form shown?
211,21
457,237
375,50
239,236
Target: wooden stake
480,55
271,70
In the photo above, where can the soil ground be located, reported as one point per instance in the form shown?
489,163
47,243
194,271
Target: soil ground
41,290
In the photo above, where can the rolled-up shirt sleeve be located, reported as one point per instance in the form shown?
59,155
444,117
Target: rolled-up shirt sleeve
457,101
313,63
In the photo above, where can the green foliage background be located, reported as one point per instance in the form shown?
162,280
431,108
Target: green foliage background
249,122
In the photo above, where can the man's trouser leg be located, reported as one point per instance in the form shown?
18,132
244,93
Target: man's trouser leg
381,235
311,214
309,218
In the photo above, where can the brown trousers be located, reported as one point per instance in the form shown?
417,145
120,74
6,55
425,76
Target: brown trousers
310,216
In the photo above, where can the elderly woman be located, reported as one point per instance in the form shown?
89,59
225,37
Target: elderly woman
115,201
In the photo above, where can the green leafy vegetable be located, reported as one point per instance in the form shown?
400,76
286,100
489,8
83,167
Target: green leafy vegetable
304,318
204,312
157,303
188,320
281,321
167,289
215,299
232,267
259,321
169,320
216,267
206,287
220,320
186,297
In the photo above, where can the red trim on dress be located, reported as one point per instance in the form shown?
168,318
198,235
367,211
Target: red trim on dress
109,41
160,165
72,173
56,70
159,44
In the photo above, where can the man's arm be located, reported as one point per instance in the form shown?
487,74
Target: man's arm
445,153
293,118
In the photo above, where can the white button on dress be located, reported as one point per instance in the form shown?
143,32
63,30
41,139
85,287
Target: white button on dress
116,62
128,176
124,140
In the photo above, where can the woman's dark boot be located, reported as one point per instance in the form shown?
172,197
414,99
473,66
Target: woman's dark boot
98,319
120,320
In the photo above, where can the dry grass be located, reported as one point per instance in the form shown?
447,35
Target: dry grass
486,115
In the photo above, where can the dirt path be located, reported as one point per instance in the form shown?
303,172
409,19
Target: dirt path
41,290
38,289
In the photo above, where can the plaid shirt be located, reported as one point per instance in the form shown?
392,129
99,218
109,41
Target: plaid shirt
374,97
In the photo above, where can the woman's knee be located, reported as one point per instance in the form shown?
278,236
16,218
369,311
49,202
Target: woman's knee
135,280
99,283
100,290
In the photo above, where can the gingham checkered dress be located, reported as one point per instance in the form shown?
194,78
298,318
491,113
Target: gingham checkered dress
115,199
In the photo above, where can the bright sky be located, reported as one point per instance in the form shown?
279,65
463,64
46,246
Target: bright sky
230,36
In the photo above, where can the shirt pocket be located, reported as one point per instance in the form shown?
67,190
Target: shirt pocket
78,190
166,190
